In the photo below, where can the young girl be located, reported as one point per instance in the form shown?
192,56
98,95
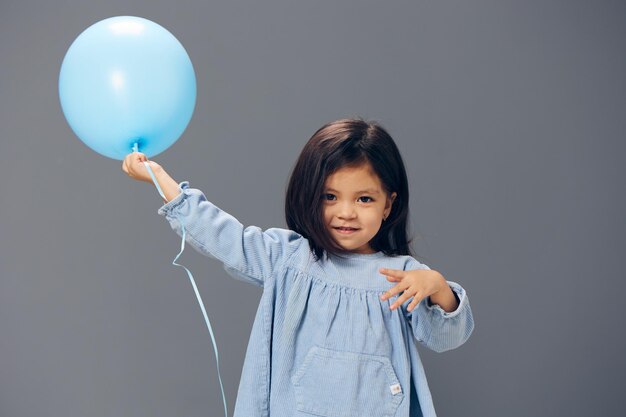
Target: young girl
330,337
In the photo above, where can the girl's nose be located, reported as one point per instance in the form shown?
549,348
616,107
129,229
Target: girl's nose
346,211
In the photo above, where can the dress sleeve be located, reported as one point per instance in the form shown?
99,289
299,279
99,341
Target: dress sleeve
435,328
249,254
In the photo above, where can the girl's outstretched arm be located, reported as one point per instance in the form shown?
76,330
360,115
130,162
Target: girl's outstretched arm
248,253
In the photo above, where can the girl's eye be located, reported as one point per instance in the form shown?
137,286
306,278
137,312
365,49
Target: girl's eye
331,197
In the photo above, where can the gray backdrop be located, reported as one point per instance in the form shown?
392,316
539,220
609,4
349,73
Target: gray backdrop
510,116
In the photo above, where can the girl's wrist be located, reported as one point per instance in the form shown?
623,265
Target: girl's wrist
444,297
168,185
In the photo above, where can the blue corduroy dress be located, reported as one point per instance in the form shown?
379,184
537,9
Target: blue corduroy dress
322,342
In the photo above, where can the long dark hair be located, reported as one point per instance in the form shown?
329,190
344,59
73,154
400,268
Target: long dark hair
347,143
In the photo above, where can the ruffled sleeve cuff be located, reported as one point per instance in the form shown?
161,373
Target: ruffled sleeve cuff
461,298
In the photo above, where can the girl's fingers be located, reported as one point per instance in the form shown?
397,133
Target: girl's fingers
405,296
393,291
393,275
412,305
392,272
134,165
128,161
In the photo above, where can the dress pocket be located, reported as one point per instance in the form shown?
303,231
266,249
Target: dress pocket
333,383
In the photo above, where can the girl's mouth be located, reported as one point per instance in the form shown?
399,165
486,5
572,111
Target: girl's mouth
346,230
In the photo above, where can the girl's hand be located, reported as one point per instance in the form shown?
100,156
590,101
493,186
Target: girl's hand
134,166
416,283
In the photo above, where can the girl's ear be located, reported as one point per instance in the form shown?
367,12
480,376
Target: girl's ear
390,201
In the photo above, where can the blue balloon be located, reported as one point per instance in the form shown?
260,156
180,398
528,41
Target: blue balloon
127,80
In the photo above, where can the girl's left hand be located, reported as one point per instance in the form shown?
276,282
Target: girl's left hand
416,283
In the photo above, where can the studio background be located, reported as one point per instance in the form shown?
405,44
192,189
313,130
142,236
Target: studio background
511,119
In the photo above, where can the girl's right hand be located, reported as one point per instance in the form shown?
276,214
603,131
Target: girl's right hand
134,166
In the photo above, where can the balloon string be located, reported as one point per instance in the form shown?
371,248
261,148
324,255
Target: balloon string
193,284
206,318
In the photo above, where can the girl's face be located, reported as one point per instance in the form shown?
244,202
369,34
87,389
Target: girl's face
354,198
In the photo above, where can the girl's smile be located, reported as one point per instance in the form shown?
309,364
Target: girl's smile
346,230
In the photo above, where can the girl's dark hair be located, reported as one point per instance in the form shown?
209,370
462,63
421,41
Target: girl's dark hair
339,144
